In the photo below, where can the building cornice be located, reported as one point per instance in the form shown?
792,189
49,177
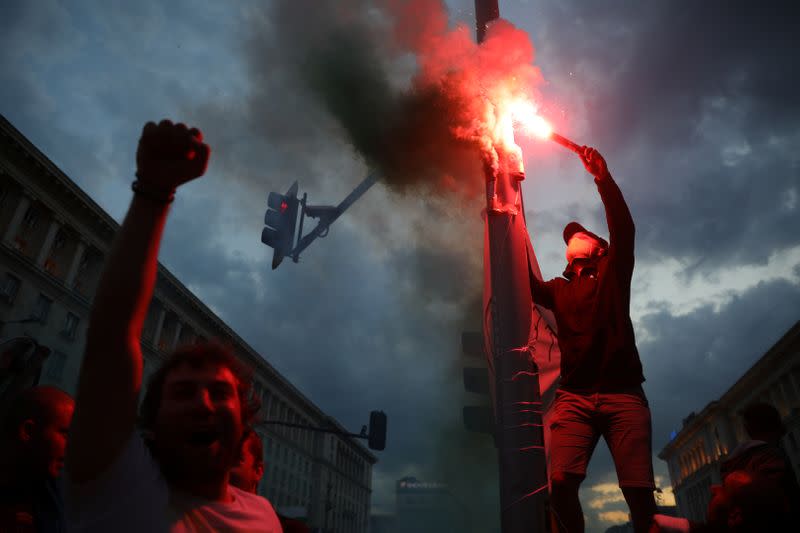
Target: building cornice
752,379
740,389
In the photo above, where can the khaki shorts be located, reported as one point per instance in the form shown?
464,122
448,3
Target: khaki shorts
621,418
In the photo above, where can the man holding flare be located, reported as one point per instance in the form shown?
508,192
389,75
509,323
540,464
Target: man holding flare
600,392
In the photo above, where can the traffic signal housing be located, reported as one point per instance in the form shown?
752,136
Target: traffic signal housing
477,380
377,430
281,222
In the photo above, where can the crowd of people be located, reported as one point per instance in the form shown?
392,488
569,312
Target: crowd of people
186,458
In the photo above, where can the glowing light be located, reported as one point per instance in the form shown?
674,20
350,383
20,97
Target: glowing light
528,120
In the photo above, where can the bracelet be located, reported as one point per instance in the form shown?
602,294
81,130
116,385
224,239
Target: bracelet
156,196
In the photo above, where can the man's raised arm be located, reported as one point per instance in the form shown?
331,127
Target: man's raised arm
111,373
621,230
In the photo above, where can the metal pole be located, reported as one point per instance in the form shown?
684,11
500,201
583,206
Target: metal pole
314,428
518,419
324,225
519,435
485,12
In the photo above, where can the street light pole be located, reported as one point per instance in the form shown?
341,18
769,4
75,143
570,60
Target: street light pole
519,433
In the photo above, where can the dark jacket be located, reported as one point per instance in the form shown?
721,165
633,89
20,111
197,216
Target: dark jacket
592,310
768,462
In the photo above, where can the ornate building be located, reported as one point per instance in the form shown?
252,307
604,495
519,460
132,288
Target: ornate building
54,240
694,453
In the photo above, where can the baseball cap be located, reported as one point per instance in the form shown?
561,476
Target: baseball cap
573,227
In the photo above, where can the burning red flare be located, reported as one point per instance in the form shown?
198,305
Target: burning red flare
524,116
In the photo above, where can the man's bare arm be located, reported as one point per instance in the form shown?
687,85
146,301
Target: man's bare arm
111,373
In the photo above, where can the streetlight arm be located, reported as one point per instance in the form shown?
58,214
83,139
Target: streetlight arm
314,428
328,215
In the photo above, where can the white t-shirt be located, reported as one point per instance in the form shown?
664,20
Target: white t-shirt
132,496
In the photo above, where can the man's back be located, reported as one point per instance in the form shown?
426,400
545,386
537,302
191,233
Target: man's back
766,461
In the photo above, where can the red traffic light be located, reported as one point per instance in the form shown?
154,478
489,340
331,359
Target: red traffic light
284,206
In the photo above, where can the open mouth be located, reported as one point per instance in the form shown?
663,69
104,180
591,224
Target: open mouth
203,437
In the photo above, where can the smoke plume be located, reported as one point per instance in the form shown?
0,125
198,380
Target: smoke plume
419,100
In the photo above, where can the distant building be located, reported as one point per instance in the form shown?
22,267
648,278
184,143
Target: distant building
382,523
424,507
694,453
53,240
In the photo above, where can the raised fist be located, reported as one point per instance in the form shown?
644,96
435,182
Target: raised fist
169,155
594,162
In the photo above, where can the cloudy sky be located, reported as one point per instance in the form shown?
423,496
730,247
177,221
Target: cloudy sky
693,105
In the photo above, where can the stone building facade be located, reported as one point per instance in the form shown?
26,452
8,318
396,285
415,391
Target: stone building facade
694,453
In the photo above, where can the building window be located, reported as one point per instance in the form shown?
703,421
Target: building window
83,266
55,365
50,266
8,292
792,441
70,325
31,218
60,240
42,308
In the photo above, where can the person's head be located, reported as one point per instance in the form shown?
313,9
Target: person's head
196,409
35,430
583,246
763,422
248,472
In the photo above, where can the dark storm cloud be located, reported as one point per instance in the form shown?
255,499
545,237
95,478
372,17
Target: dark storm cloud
693,104
694,358
350,328
416,99
353,339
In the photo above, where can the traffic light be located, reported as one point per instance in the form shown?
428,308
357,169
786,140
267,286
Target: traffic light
281,221
477,380
377,430
478,419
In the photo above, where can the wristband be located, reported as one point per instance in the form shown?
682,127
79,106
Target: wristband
157,196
